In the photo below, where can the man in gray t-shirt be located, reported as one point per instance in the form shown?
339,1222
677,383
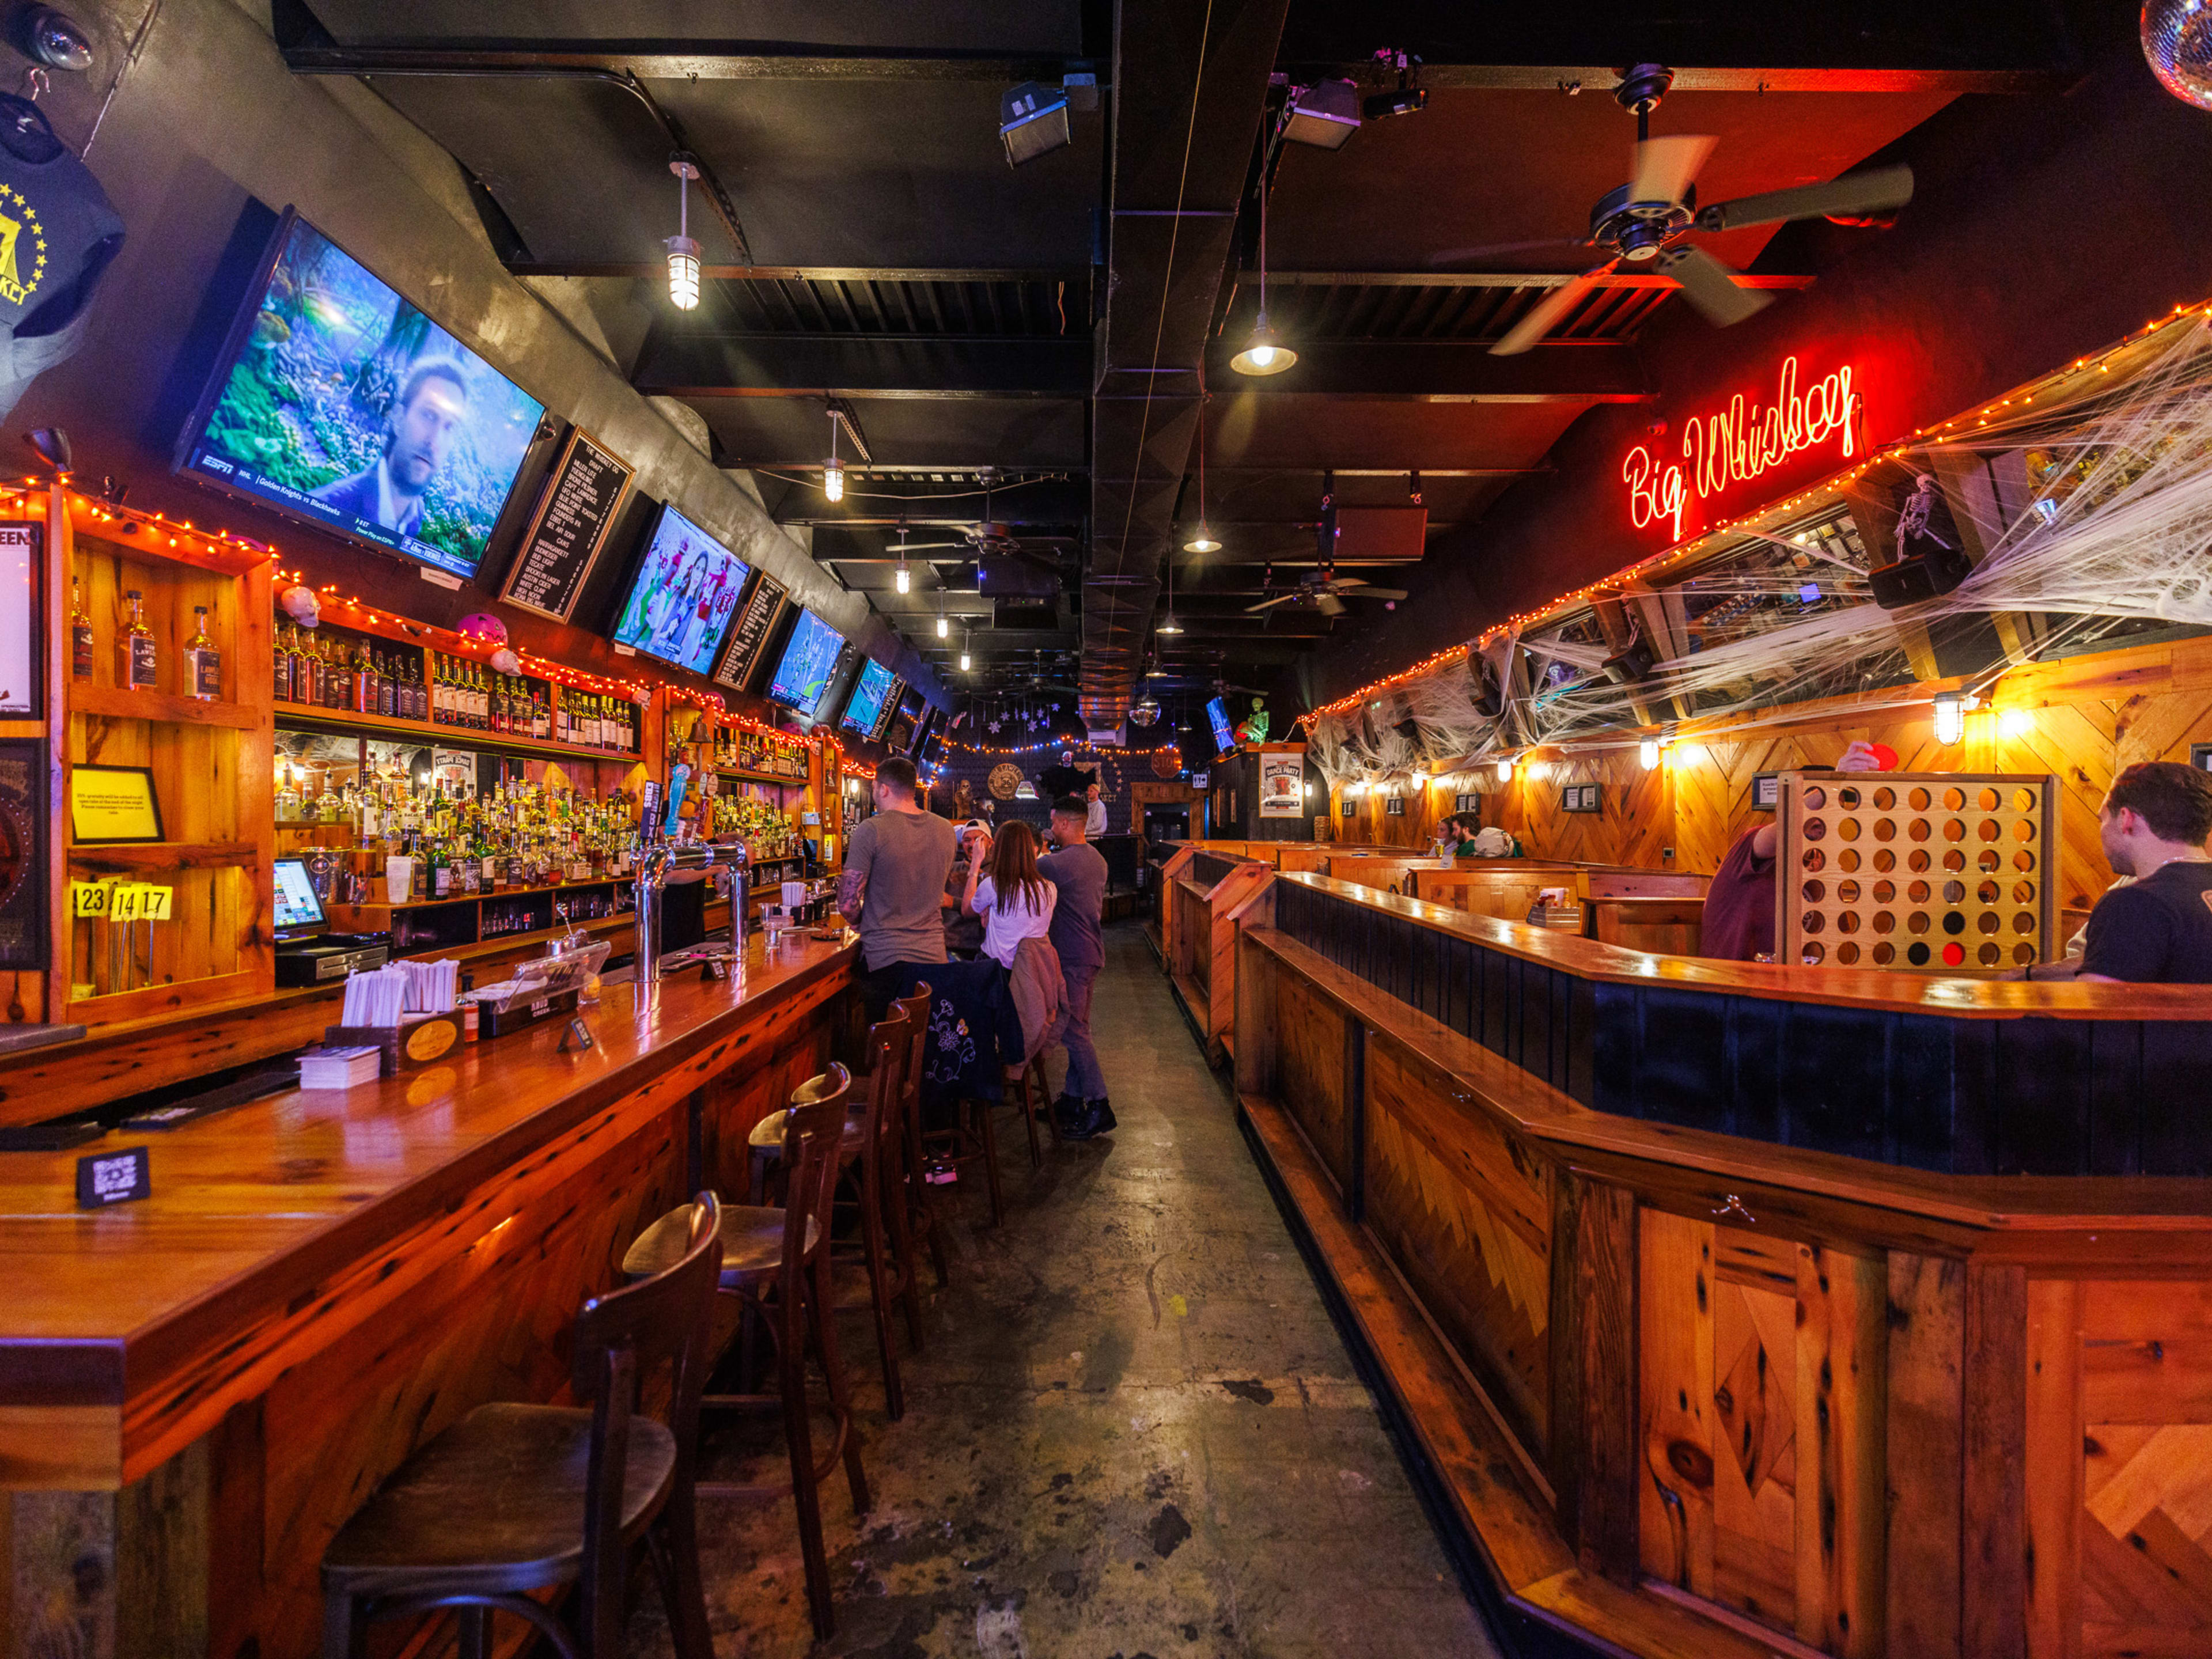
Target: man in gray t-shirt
893,885
1080,872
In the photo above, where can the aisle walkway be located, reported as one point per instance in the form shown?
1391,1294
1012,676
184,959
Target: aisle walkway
1134,1430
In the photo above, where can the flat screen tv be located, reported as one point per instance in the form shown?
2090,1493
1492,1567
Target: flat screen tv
683,595
809,664
337,402
1225,739
864,709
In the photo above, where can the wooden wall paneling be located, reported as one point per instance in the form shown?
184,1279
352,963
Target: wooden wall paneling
2058,1459
1762,1460
238,1467
1464,1211
1312,1071
1257,981
1993,1580
1594,1456
1924,1453
1674,1360
1842,1474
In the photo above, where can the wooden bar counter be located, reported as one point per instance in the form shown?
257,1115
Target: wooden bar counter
1742,1310
197,1388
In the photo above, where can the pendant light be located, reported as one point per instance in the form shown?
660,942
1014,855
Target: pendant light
905,580
944,628
683,252
1264,352
1203,542
1167,624
965,662
833,476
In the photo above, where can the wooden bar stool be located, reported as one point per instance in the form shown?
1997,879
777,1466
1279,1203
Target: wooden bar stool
784,1254
516,1498
922,1220
1030,1085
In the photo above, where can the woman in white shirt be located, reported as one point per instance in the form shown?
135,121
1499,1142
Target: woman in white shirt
1005,889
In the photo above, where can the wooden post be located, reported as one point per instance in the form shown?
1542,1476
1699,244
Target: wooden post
1593,1467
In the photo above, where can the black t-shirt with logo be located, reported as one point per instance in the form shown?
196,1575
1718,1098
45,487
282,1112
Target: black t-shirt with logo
2155,930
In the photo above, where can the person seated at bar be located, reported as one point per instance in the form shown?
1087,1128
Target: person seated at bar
1739,916
963,933
2158,928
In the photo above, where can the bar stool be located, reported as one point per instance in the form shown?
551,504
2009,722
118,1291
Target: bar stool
1030,1085
517,1497
920,1219
785,1251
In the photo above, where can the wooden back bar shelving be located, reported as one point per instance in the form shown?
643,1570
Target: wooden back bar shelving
1745,1308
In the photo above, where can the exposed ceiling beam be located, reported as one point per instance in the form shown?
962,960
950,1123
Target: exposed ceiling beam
657,271
1443,371
1022,502
712,365
1583,75
1618,279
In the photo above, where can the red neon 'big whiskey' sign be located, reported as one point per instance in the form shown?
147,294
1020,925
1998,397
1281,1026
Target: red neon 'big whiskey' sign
1739,444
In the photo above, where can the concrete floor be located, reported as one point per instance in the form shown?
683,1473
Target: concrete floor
1134,1431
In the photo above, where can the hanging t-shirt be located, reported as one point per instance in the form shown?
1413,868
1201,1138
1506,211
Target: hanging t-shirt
58,233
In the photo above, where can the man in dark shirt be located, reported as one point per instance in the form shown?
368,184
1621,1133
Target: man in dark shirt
2157,929
1079,871
1738,919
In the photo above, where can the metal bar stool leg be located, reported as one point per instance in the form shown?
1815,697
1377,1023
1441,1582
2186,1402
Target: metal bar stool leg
879,1285
989,1137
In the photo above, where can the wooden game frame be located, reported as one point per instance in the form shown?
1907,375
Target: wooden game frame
1872,865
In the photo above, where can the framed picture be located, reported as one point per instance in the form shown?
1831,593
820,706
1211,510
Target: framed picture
1766,791
22,853
1466,804
2200,755
113,806
22,612
1393,806
1582,798
1347,808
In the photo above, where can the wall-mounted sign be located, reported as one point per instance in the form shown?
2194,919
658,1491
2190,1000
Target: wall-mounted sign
22,566
1766,791
1466,803
113,804
1393,806
1741,444
743,649
1282,785
1347,808
568,530
1582,798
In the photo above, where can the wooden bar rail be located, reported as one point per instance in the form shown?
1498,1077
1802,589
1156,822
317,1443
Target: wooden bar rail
1693,1392
196,1388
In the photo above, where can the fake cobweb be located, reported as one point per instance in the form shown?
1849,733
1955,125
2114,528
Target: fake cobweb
2090,500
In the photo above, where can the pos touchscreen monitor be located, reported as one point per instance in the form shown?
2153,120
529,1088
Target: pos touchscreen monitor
337,402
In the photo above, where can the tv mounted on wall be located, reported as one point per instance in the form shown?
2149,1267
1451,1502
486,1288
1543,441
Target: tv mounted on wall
683,595
336,401
809,665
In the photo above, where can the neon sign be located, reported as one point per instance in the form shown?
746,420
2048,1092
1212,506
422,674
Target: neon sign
1742,443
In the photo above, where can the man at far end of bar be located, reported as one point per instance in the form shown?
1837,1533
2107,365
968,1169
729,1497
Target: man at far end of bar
1738,919
893,885
2157,928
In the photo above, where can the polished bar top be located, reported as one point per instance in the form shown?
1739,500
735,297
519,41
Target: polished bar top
259,1206
1956,996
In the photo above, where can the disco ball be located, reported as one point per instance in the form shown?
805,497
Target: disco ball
1144,713
2176,38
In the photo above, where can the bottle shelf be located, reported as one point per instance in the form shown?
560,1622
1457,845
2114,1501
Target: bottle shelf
119,704
345,722
759,777
165,855
357,911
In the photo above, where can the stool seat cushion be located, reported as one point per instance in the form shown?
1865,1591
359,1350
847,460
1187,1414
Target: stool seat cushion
752,1242
498,1496
767,1135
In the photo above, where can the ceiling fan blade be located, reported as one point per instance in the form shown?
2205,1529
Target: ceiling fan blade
1391,593
1708,285
1855,195
1330,606
1279,598
1464,256
1547,311
1665,169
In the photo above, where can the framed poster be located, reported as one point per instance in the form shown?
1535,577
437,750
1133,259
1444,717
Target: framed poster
741,652
1393,806
22,853
22,612
1282,785
569,528
1582,798
113,806
1766,791
1347,808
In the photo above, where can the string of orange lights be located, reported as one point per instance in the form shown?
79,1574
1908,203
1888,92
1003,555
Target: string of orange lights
1611,586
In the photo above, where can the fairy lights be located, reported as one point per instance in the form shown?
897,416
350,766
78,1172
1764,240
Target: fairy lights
1613,585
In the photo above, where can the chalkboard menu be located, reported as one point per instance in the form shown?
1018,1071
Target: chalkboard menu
890,712
755,624
568,530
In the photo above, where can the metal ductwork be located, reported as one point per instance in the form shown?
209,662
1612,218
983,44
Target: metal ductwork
1190,87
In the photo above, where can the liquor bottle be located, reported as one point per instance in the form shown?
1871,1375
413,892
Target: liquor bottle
419,698
448,710
541,720
591,722
387,692
79,632
140,664
203,662
479,700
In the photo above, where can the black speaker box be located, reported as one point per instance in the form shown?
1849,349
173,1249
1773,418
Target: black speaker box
1933,570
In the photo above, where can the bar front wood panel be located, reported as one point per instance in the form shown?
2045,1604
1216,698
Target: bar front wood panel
1786,1402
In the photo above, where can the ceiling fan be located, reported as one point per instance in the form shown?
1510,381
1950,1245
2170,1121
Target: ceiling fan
1642,221
1325,591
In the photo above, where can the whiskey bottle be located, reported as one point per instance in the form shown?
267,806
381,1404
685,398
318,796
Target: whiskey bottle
203,662
140,666
79,632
